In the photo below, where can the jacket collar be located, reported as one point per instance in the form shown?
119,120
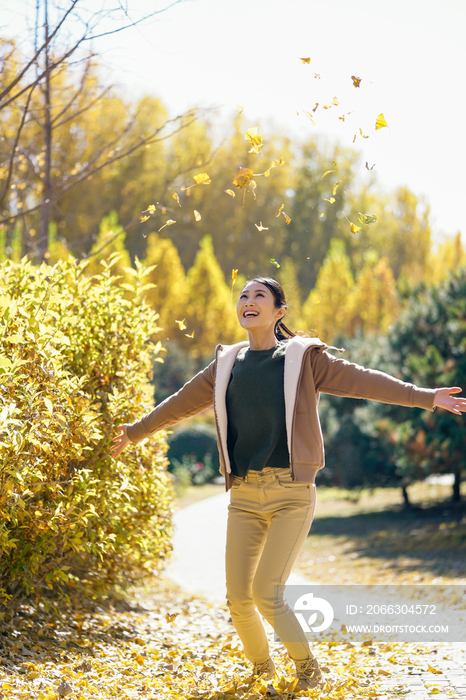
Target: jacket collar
296,349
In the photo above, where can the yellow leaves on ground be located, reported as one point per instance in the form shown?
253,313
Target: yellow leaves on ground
255,139
49,405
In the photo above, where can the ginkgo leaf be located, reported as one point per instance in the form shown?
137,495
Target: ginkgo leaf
234,275
167,223
255,139
170,617
367,166
380,123
327,106
309,116
274,262
331,200
242,177
239,108
317,104
176,198
197,216
356,80
326,173
280,210
49,405
181,324
189,335
202,179
143,218
287,218
259,227
335,102
336,186
367,218
353,228
231,193
306,60
342,117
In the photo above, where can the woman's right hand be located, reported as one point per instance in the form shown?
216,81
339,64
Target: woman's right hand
121,441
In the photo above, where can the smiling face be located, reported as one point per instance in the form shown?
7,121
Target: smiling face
256,308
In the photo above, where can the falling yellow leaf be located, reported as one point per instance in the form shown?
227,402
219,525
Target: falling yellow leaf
331,200
316,75
353,228
336,186
309,116
243,177
306,60
230,192
255,139
197,216
170,617
234,275
167,223
380,123
202,179
287,218
274,262
317,104
176,198
335,102
280,210
181,324
327,106
326,173
239,108
143,218
151,209
367,218
367,166
260,227
342,117
188,335
356,80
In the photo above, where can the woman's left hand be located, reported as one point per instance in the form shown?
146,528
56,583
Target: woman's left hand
450,403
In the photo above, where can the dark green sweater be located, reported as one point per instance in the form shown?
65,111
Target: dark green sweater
256,411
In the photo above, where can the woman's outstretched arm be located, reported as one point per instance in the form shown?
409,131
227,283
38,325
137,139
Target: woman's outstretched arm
195,396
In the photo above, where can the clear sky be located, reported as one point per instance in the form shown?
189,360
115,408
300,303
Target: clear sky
411,55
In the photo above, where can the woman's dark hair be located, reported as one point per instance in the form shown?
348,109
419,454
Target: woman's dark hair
280,303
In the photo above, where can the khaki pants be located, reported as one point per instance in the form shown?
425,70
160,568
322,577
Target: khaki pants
269,518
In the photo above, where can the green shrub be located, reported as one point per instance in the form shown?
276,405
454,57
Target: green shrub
75,355
194,445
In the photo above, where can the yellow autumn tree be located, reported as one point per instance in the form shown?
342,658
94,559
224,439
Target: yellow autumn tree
373,303
170,294
288,279
211,312
326,310
110,240
443,259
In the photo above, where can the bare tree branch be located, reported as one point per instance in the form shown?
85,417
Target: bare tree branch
135,23
15,147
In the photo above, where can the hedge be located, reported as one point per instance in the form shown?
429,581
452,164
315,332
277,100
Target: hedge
76,354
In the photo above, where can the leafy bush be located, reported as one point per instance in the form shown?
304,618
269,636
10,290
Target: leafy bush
75,355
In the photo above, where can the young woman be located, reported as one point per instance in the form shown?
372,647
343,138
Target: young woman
265,393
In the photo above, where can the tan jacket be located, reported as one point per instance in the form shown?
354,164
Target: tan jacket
309,370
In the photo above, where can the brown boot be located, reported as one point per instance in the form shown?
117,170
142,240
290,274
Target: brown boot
264,667
309,674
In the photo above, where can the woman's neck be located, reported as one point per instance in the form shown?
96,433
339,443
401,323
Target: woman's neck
262,341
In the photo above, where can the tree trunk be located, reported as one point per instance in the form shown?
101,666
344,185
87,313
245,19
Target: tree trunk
456,495
406,500
47,128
